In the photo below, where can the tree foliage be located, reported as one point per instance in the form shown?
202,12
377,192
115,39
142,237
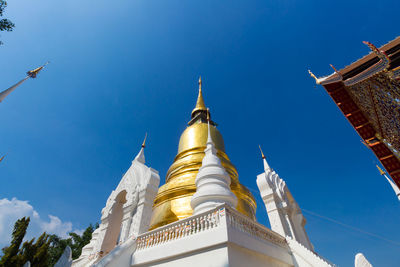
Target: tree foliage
75,242
45,251
10,253
5,24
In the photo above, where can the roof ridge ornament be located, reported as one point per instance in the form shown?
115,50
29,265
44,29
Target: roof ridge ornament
392,184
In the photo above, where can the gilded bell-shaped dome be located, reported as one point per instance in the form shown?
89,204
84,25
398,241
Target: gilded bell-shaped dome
172,202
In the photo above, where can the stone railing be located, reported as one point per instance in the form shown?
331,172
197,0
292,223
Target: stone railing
180,229
204,222
242,223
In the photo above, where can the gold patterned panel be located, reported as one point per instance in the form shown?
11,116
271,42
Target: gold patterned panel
379,99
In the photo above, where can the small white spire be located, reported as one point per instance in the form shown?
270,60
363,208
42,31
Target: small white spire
361,261
212,181
210,144
209,138
140,156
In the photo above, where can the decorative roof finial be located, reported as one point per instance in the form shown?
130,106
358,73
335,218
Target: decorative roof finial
382,172
392,184
144,141
315,77
334,69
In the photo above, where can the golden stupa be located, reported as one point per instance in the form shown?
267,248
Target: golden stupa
172,202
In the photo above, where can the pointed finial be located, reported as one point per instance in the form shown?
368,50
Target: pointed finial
382,172
200,101
140,156
266,165
200,83
262,154
35,72
315,77
392,184
144,141
334,69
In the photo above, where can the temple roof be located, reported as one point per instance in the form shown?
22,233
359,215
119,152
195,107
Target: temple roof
368,93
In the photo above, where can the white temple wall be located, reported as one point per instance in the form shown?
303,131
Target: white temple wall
126,213
283,211
228,243
240,256
215,257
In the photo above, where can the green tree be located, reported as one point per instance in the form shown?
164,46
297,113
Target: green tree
5,24
10,254
75,242
37,253
57,247
45,251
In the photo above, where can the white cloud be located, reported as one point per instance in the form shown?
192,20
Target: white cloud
14,209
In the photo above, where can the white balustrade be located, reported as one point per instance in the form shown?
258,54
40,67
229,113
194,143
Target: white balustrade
246,225
206,222
180,229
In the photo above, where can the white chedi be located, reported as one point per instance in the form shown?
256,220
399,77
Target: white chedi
212,182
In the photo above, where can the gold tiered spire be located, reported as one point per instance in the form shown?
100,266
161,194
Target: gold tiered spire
200,101
172,202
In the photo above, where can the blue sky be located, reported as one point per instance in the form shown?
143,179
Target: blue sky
120,69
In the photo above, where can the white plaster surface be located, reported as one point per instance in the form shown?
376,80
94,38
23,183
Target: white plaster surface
126,214
212,182
283,211
361,261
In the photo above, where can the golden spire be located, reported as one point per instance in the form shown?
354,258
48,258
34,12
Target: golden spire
144,141
200,101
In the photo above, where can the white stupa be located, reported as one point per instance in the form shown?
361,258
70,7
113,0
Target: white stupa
212,182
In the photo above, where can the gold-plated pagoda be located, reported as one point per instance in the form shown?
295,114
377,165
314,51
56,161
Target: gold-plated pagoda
200,101
172,202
